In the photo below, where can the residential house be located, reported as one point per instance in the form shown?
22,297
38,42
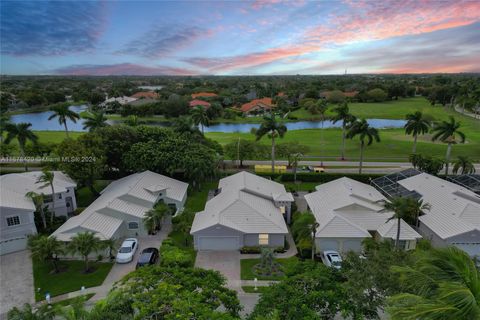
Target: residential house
145,95
196,103
121,207
247,210
17,210
348,212
122,100
257,106
347,94
204,95
454,216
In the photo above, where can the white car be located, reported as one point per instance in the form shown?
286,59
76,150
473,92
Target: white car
332,259
127,250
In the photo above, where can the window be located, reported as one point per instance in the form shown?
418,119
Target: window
263,239
132,225
13,221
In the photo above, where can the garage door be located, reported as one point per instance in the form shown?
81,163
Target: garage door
328,244
473,249
218,243
352,245
13,245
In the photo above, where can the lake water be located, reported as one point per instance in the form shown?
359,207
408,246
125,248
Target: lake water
40,121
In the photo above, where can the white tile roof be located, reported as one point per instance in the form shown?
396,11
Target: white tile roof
454,209
347,208
244,204
14,186
122,196
389,230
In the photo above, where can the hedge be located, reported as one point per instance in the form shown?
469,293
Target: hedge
320,177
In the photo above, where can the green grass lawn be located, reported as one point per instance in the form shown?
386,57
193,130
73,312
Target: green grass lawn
56,136
304,186
197,198
251,289
70,280
246,271
85,196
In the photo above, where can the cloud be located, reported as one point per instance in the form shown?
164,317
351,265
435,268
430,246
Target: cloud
49,28
121,69
163,40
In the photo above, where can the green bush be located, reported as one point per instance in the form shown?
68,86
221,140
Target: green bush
171,256
258,249
319,177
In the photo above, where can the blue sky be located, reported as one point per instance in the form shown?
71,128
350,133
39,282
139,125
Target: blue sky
235,38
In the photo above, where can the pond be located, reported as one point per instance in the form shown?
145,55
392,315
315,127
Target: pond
40,121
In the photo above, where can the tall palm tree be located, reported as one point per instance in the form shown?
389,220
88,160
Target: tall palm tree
405,209
154,217
304,229
416,124
185,124
273,128
442,284
321,109
4,123
200,117
47,178
465,164
63,113
38,201
94,120
85,243
446,131
23,133
45,248
362,129
343,114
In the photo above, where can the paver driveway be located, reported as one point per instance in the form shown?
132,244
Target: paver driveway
227,262
16,281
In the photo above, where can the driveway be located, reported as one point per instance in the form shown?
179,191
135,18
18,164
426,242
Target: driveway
226,262
16,281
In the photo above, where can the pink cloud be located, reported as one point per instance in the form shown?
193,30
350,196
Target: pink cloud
122,69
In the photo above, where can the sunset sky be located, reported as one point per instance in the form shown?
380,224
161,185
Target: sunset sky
239,38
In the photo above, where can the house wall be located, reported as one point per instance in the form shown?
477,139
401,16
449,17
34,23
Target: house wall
409,244
468,242
218,231
14,238
428,234
339,244
61,204
274,240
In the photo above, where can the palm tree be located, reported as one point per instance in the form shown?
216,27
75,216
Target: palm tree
4,123
343,114
23,133
47,178
200,117
442,284
445,131
273,128
304,229
84,243
416,124
321,109
364,131
111,245
464,163
38,200
185,125
94,120
46,248
63,113
405,209
154,217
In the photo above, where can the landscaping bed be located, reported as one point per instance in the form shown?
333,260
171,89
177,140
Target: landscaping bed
248,267
69,280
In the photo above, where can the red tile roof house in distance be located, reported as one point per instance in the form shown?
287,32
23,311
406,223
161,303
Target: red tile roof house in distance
203,95
257,106
348,94
196,102
145,95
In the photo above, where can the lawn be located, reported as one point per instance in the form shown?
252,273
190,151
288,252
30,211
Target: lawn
197,198
85,196
246,265
251,289
70,280
56,136
304,186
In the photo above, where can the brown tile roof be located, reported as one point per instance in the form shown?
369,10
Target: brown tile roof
203,95
265,103
145,94
197,102
349,94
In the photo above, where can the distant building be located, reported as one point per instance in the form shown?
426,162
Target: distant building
257,106
203,95
145,95
122,100
347,94
196,102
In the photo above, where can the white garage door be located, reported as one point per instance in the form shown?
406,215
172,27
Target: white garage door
328,244
352,245
13,245
473,249
218,243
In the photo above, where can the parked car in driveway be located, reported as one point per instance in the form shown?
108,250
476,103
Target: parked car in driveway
332,259
127,250
148,256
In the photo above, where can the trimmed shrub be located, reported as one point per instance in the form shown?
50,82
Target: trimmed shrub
171,256
319,177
